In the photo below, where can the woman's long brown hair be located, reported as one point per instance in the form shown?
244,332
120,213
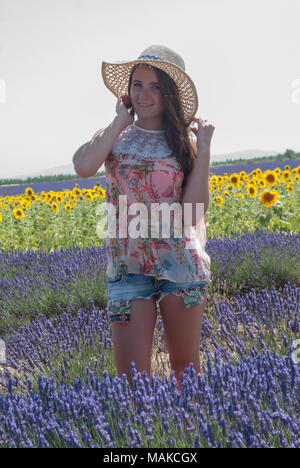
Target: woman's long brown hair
177,135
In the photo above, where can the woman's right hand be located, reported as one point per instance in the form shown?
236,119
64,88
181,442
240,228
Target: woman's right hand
124,115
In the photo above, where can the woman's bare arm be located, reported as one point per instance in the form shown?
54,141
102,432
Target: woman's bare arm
90,156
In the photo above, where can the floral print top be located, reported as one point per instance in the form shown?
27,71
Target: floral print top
142,170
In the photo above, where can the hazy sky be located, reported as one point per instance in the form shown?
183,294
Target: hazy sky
243,57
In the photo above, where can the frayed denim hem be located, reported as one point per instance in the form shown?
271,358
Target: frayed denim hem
119,311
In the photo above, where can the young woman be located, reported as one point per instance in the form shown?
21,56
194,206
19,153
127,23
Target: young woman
154,160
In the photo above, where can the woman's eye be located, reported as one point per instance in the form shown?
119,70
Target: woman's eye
138,84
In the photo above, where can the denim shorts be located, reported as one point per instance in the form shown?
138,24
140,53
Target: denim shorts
123,289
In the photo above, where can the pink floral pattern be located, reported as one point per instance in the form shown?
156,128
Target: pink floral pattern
142,167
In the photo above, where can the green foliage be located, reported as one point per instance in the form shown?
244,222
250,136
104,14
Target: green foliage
288,155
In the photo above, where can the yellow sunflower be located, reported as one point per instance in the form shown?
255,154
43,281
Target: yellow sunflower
219,200
235,179
55,207
251,190
269,197
270,177
68,207
0,217
89,196
18,213
77,192
29,192
286,175
101,192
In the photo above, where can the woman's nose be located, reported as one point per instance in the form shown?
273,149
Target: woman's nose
144,93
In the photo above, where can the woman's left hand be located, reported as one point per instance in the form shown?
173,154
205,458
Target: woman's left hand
204,133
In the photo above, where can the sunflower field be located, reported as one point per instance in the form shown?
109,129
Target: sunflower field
254,201
51,220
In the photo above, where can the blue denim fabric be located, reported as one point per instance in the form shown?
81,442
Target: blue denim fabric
122,289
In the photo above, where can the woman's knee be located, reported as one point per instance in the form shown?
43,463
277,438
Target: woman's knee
132,340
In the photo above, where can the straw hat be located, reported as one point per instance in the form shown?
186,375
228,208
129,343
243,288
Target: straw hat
116,76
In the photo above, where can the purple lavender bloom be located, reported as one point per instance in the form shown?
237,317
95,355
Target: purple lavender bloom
246,398
55,185
64,415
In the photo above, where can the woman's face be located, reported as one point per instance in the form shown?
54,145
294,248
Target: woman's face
145,94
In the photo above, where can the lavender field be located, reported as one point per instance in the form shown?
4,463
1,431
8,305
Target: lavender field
58,185
59,387
58,382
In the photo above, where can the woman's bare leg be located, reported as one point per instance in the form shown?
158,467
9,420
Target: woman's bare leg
132,341
182,327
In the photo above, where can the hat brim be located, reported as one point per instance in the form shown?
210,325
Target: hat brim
116,77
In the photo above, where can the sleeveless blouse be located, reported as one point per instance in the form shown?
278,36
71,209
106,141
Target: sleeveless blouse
141,173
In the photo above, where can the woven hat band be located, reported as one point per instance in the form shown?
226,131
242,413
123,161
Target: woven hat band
149,57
